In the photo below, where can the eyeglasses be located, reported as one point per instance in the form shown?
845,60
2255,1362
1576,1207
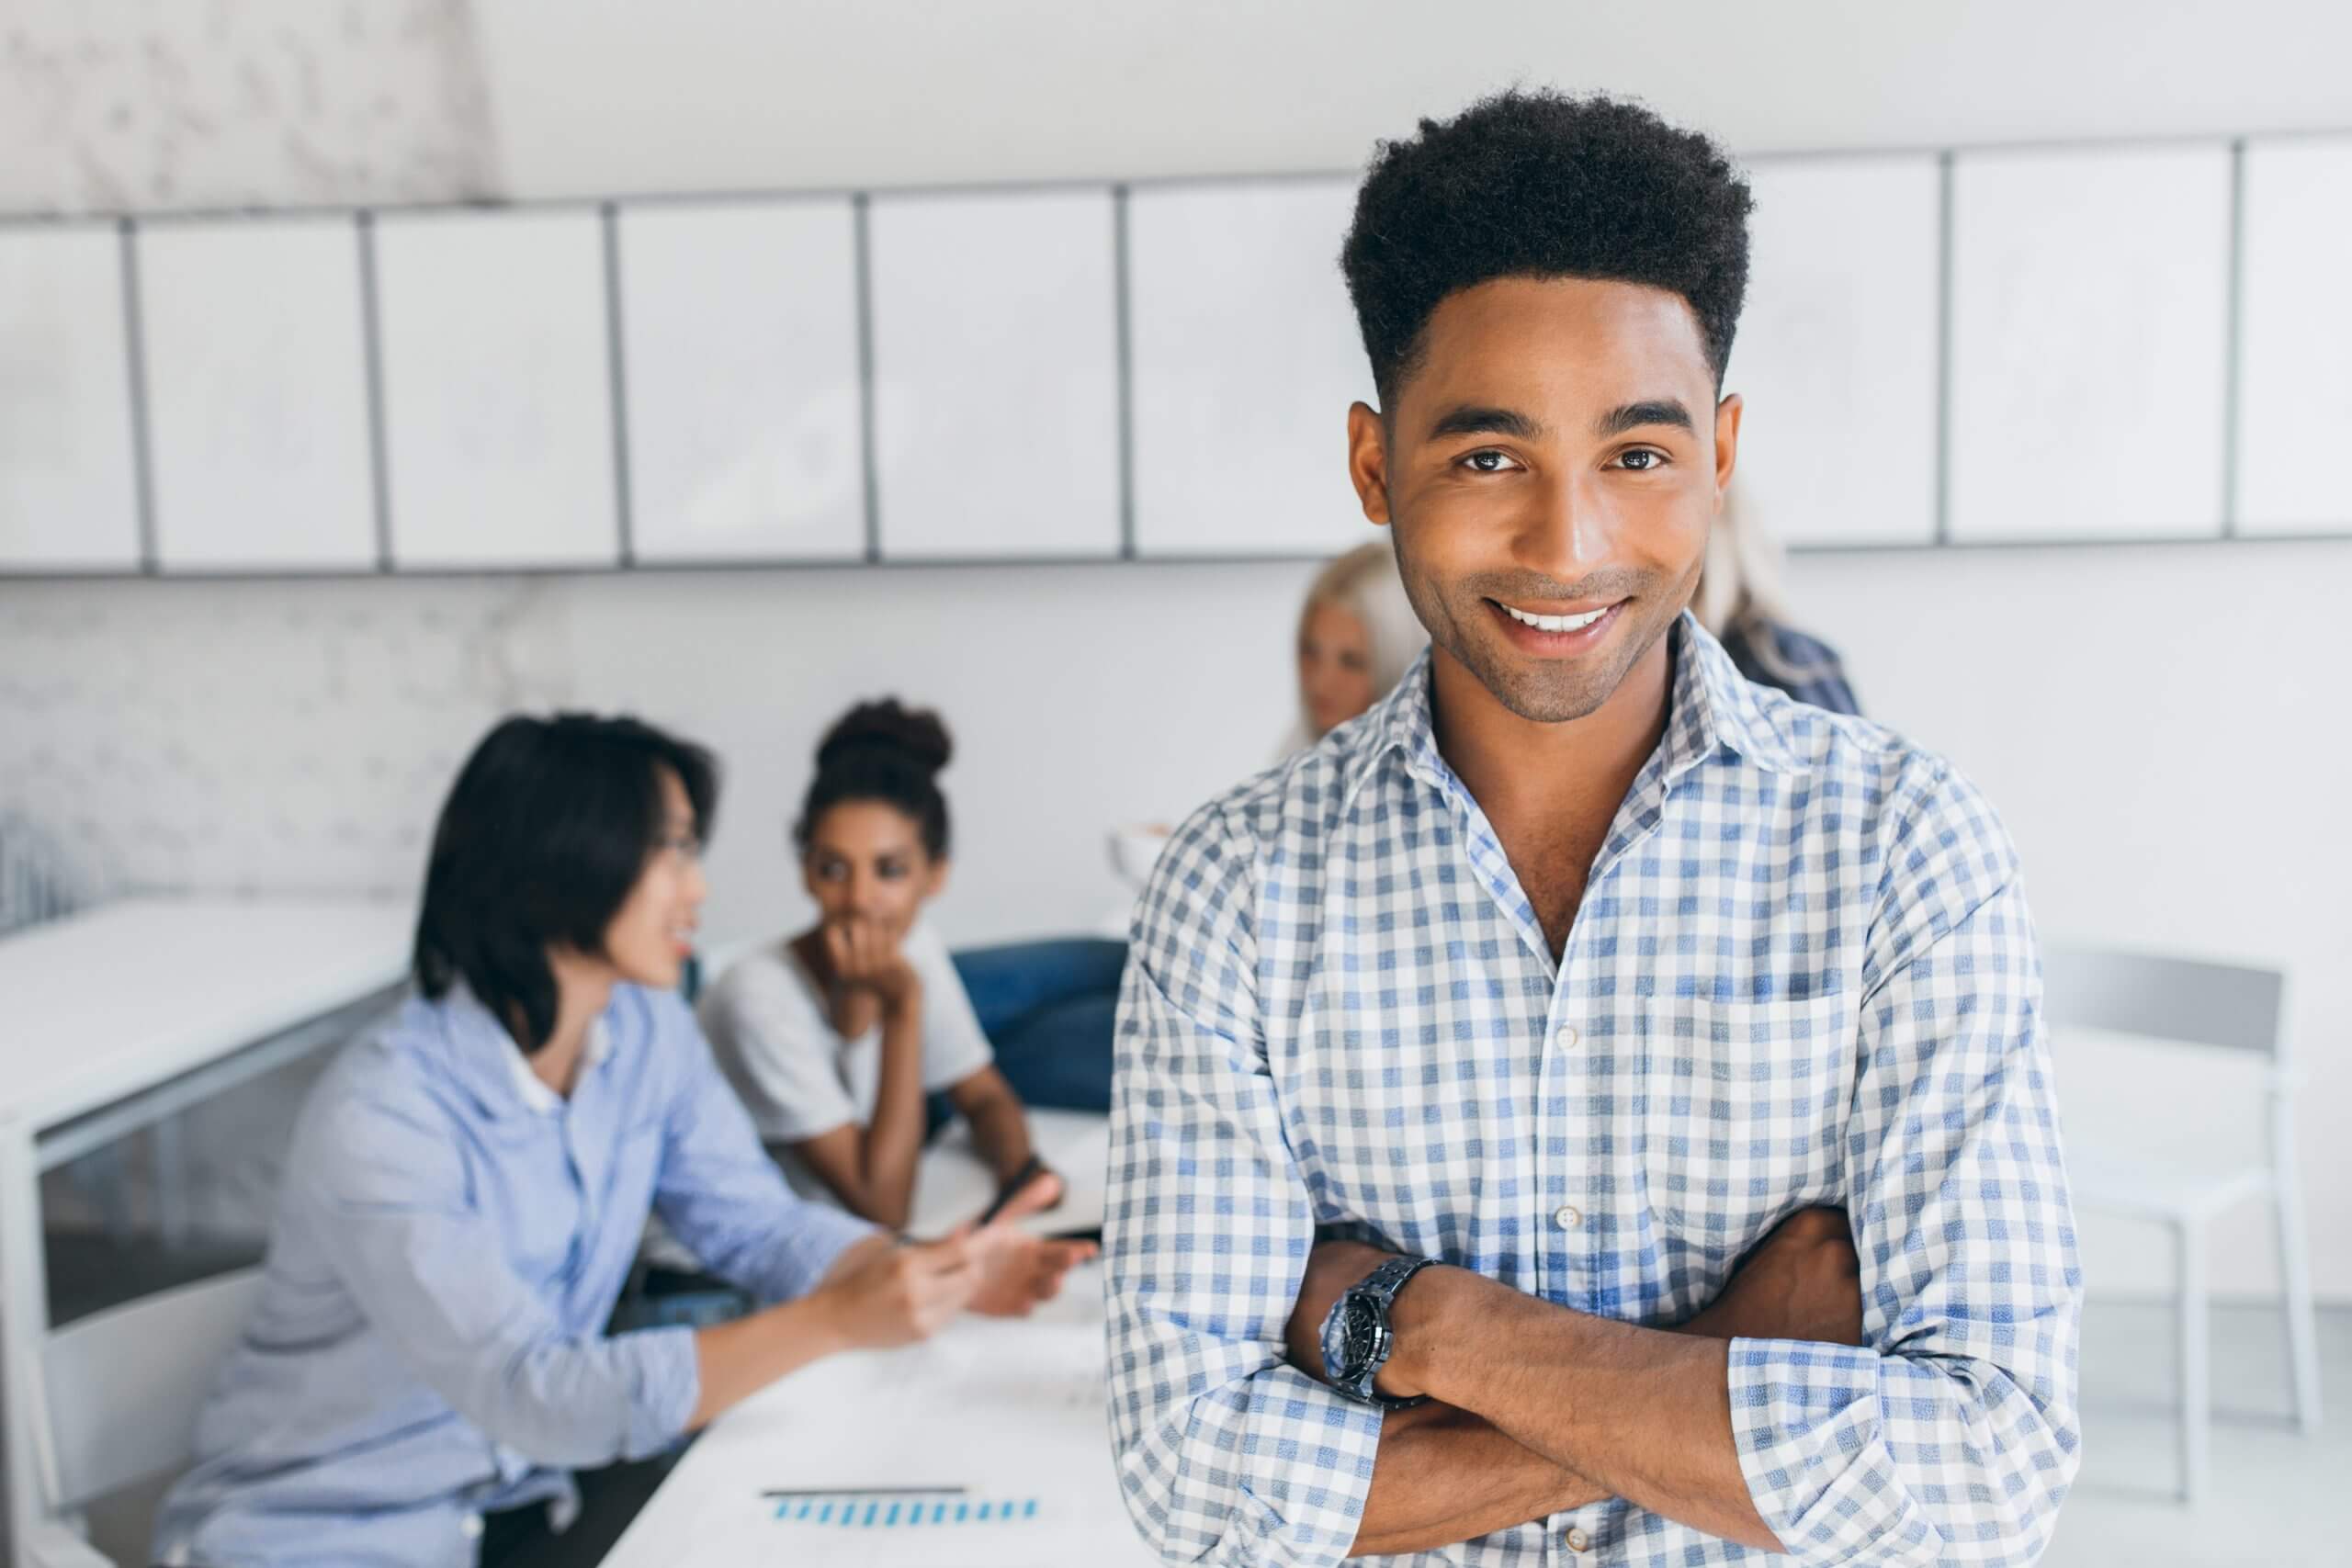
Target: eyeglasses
683,846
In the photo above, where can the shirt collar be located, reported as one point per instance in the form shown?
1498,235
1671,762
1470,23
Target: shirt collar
1713,709
1716,708
536,1095
493,1068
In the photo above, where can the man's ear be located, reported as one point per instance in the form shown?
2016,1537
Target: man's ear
1368,460
1728,414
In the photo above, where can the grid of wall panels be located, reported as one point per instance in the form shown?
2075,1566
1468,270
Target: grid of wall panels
2010,346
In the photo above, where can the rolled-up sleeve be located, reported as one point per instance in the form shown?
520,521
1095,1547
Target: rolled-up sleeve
1950,1436
1226,1453
398,1226
720,1193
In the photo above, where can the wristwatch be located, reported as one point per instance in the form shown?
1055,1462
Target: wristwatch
1356,1337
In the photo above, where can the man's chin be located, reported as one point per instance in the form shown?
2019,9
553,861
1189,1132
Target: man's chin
1544,703
1542,690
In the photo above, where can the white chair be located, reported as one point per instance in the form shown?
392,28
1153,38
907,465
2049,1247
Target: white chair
2221,1006
121,1390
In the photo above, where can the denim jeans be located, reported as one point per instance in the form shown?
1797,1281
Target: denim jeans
1049,1008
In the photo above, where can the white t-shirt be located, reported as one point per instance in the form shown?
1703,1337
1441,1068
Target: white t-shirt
767,1024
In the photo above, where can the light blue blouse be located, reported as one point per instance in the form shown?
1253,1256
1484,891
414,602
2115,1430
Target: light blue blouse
450,1242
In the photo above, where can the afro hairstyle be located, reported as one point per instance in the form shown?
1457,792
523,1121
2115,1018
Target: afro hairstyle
1531,183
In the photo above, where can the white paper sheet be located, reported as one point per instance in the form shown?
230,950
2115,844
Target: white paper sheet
1008,1411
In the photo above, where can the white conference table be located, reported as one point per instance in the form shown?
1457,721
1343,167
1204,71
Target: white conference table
996,1429
114,1020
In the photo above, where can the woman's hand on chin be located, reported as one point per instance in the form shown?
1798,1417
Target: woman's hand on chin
864,955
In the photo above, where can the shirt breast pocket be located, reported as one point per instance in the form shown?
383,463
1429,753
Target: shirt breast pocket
1746,1113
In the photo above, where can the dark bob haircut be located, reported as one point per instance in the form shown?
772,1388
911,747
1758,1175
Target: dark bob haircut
545,831
1535,184
888,752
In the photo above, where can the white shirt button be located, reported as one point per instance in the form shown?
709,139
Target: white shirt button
1579,1542
471,1527
1567,1216
1567,1037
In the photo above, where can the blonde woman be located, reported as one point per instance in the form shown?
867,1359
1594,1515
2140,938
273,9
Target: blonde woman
1357,636
1739,601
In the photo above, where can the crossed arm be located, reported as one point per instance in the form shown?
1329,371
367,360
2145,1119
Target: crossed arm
1445,1474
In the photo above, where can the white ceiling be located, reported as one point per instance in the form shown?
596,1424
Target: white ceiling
626,95
160,104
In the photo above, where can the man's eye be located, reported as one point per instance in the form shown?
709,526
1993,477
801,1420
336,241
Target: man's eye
1489,462
1641,460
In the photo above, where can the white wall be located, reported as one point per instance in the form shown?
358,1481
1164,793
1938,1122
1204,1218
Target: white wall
1079,697
2164,728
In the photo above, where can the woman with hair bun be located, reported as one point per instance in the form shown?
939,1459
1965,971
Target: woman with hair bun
835,1037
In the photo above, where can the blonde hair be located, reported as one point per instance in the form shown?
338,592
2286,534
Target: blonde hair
1364,583
1739,586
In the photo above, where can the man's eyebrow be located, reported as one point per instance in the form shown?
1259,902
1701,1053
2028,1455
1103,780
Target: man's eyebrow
1475,419
1632,416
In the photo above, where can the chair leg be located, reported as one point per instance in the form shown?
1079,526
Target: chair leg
2295,1300
2195,1373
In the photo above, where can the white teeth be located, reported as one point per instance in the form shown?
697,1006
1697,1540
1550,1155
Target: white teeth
1557,623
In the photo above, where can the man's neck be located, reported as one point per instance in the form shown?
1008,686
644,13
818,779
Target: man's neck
1551,790
1498,754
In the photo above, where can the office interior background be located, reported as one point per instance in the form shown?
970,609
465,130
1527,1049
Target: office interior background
2064,486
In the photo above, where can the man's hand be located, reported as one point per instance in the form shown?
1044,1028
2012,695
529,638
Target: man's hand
1802,1281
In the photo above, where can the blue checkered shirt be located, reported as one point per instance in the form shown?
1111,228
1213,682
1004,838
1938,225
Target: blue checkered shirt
1803,973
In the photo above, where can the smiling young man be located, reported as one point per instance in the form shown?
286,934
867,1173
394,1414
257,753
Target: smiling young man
1528,1044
